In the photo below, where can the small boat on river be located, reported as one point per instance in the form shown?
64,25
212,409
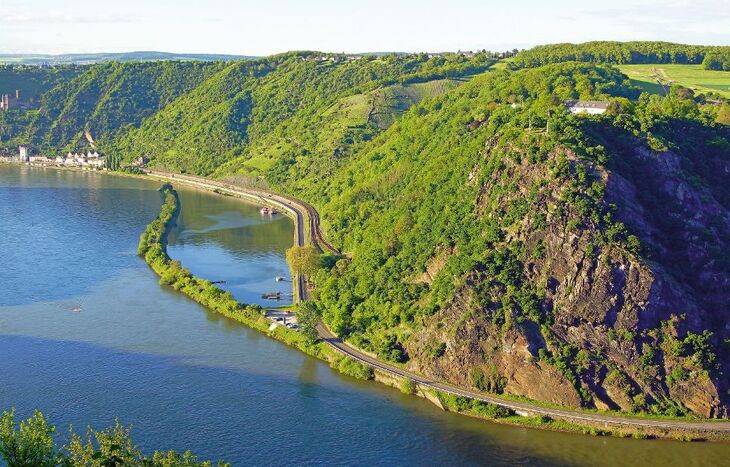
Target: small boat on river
268,211
271,296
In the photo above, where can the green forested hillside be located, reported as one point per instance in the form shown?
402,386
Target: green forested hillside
107,98
490,238
33,81
269,112
469,225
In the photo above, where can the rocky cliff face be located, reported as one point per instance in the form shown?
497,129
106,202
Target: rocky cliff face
618,321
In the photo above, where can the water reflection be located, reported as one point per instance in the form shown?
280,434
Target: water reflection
223,239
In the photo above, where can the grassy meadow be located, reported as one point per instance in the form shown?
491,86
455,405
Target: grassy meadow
691,76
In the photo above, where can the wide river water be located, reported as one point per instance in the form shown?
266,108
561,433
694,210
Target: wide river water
185,378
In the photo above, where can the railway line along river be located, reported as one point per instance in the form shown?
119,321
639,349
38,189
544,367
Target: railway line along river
185,378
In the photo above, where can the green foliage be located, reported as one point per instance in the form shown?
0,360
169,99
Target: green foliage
109,98
303,260
668,407
698,347
33,81
619,53
723,115
152,247
408,386
473,407
647,356
30,444
443,188
717,59
33,444
308,317
389,348
489,381
279,116
435,349
350,367
677,375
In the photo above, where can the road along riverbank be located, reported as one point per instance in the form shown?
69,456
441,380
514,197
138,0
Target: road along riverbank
354,362
152,247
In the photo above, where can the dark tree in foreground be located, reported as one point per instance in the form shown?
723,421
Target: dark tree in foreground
32,443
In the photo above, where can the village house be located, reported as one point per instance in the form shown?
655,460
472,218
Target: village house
93,160
587,107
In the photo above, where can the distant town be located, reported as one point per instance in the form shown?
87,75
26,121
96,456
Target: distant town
90,160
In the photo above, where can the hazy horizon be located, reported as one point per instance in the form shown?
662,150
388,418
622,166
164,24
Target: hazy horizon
253,28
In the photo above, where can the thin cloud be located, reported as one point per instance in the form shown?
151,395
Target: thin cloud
67,19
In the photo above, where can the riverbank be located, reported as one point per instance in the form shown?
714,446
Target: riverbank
521,413
539,415
152,247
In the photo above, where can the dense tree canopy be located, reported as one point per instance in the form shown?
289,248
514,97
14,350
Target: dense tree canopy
621,53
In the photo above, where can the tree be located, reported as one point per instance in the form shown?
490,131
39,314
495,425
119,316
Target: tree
33,444
30,444
304,260
723,116
308,316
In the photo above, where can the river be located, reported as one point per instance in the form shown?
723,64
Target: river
185,378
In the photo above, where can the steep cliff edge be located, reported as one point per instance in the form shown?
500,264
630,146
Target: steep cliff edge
610,326
502,244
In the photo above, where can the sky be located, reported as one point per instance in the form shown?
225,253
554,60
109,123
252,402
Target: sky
247,27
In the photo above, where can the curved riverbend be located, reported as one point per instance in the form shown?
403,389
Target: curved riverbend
307,228
187,378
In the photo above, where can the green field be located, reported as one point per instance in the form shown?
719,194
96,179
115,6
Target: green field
694,77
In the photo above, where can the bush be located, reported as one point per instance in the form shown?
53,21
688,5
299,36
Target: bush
350,367
408,386
33,444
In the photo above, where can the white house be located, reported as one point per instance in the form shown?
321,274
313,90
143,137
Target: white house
587,107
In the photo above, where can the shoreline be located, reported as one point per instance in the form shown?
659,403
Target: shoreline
535,416
521,413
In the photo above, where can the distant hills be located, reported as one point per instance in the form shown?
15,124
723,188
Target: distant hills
91,58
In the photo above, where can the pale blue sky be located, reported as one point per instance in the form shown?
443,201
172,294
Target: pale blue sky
264,27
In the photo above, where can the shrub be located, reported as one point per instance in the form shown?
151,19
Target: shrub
350,367
408,386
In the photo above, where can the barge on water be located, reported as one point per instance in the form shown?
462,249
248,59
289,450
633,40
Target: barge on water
271,296
268,211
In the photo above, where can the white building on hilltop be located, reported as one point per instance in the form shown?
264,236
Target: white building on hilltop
587,107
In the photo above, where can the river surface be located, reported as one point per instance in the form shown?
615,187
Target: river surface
185,378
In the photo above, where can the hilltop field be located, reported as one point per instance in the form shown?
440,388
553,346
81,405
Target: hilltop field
695,77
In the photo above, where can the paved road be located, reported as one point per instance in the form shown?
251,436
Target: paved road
305,213
522,408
